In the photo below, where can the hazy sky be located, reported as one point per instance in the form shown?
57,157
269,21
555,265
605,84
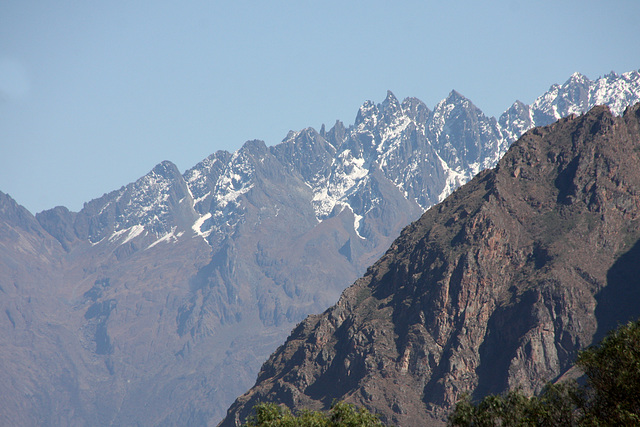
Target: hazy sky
93,94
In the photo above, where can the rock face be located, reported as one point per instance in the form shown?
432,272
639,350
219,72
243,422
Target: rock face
496,287
170,292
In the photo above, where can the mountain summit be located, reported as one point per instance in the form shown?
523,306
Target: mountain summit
497,287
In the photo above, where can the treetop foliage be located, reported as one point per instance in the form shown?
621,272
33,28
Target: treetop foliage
341,415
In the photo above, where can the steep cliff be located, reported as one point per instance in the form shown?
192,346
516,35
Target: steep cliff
497,287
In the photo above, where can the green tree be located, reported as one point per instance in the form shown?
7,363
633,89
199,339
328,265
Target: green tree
346,415
612,368
341,415
555,406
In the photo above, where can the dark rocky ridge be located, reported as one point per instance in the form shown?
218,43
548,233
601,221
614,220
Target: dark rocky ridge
497,287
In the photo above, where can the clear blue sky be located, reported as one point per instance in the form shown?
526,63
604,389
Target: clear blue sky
93,94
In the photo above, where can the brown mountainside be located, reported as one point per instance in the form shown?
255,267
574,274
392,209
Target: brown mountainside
497,287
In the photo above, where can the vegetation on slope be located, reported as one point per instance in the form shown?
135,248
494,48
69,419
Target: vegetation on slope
341,414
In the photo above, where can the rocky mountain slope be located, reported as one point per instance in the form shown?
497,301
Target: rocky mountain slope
497,287
169,292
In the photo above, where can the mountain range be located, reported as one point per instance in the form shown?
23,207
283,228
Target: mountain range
497,287
168,293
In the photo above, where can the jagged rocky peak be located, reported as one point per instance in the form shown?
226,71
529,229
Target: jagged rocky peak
254,147
456,98
516,120
617,91
613,75
160,201
307,152
518,111
577,79
416,109
202,178
578,94
59,223
371,116
15,215
166,169
497,287
454,103
367,115
390,102
337,134
307,136
574,94
464,137
388,111
26,249
390,108
154,199
236,178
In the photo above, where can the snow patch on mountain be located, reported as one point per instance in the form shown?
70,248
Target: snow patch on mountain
234,181
230,188
367,117
454,179
579,94
169,237
390,137
198,225
128,233
616,91
347,172
357,219
197,178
